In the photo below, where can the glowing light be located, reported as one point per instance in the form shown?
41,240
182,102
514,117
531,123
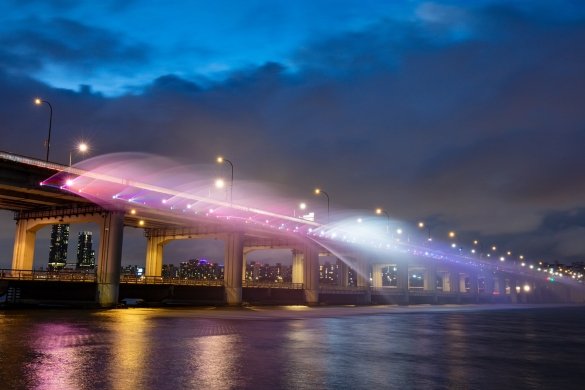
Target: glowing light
502,258
141,222
509,253
133,211
453,245
494,248
526,288
219,183
523,264
451,234
220,159
69,182
83,147
531,266
38,101
421,225
399,231
317,191
302,206
475,242
473,251
359,220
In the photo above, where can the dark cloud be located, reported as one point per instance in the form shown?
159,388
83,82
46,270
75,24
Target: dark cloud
64,42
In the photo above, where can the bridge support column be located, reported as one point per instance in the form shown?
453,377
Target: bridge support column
343,273
298,268
24,245
430,282
363,279
455,283
311,274
377,275
232,273
473,285
403,282
154,256
110,258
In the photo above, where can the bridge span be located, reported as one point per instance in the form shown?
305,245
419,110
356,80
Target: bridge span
43,193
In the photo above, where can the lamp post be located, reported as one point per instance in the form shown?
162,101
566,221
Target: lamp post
422,225
38,102
380,211
221,160
302,207
319,191
81,148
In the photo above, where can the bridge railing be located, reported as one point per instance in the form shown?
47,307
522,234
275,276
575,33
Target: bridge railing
53,276
166,280
255,284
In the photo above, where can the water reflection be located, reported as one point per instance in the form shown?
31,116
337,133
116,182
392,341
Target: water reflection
214,361
130,341
188,349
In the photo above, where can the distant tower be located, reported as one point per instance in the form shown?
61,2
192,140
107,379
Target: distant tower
85,255
58,248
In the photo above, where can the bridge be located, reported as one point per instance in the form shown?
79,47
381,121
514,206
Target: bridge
43,193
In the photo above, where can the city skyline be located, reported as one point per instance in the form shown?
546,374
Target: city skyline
465,116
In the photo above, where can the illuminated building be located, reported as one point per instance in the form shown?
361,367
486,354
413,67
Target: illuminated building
58,248
85,253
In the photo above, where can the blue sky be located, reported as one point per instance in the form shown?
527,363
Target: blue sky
468,114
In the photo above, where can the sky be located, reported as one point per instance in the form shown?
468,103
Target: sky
466,115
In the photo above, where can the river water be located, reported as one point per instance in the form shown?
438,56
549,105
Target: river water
382,347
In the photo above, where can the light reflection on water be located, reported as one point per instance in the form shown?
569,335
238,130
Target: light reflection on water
270,349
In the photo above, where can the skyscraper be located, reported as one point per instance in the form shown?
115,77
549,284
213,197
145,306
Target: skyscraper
58,248
85,254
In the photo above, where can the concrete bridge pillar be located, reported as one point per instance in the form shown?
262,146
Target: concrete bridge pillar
377,275
232,272
311,274
402,269
430,280
154,256
454,282
473,285
343,273
110,258
298,267
363,273
24,245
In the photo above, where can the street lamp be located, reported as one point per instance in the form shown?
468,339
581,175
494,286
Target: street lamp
422,225
38,102
380,211
81,148
319,191
221,160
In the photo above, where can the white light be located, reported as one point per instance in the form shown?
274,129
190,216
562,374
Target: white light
453,245
359,220
526,288
502,258
399,231
69,182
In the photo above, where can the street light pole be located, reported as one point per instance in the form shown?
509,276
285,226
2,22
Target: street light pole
38,102
380,211
319,191
81,148
221,160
